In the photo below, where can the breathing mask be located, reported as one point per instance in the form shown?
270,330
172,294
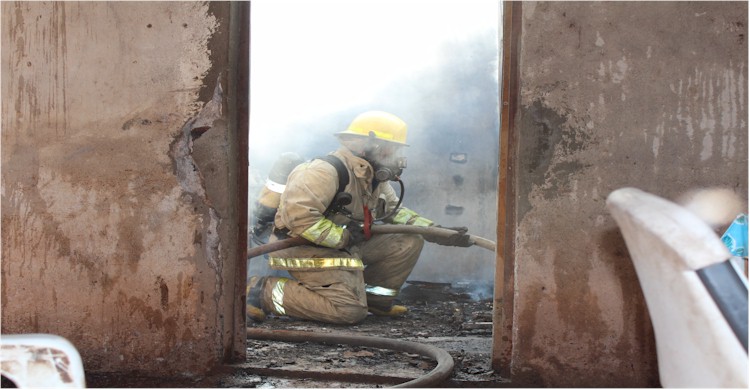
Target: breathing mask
387,161
388,172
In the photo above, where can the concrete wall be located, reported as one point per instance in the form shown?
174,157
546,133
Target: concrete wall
119,212
651,95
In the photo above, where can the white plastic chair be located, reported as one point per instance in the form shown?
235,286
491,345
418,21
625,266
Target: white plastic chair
670,247
41,361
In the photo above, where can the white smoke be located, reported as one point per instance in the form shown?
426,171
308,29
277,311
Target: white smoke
309,59
316,65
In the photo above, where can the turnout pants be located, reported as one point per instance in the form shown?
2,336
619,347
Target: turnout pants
338,286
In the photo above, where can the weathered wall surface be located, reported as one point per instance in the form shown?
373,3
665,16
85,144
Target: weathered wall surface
644,94
110,236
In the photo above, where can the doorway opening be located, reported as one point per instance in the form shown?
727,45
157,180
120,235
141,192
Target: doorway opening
316,66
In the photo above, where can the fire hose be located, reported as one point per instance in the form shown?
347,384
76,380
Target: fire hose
431,379
375,229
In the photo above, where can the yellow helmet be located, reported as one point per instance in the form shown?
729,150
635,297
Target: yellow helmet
380,125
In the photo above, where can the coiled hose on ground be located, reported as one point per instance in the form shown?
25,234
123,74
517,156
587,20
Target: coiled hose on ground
431,379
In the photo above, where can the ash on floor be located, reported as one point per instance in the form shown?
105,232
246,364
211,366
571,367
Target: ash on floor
455,317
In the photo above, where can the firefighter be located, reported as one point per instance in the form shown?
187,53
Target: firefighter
345,272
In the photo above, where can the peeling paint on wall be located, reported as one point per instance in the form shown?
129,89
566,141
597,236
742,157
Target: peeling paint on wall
709,103
110,237
647,95
191,180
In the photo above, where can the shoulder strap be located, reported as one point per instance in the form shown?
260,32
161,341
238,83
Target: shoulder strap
338,201
340,170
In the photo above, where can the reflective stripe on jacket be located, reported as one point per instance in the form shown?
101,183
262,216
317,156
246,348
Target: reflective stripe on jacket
405,216
315,263
324,233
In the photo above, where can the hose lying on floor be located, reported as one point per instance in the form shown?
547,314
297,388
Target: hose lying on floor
431,379
375,229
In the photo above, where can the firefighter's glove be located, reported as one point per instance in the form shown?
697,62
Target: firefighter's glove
460,239
356,234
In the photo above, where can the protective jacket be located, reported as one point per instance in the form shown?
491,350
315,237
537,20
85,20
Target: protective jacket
311,188
336,279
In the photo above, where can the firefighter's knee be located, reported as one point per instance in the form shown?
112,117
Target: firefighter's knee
350,315
411,247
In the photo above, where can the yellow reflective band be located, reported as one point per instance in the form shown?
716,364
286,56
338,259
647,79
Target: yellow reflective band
422,221
313,263
405,216
324,232
382,291
277,296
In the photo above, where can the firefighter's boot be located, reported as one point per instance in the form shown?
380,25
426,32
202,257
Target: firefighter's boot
393,311
253,309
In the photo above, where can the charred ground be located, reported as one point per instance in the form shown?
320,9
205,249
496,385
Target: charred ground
454,317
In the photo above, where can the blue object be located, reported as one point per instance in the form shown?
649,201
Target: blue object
735,238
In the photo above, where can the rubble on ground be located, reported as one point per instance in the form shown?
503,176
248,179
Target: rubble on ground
455,317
